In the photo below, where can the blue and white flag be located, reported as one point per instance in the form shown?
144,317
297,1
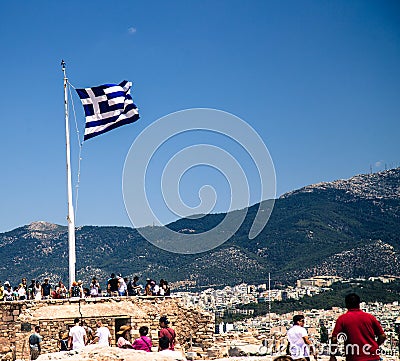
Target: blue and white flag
107,107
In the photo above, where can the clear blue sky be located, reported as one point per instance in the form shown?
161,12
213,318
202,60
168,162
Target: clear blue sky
318,80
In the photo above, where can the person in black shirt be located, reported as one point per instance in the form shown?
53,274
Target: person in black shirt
63,341
133,287
112,285
34,343
46,289
31,290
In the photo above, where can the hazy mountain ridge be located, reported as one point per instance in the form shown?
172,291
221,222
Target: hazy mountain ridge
347,227
382,185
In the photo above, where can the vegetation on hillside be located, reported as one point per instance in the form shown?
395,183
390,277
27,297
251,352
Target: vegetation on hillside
349,228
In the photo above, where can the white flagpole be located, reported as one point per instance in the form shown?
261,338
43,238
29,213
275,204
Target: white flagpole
70,217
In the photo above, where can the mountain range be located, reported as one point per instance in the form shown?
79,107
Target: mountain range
349,228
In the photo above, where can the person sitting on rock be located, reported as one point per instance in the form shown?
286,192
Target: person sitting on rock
124,337
63,341
283,358
163,347
143,342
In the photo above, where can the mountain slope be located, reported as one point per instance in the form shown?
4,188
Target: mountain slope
347,227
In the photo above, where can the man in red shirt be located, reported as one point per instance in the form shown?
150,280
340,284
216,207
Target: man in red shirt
361,332
167,332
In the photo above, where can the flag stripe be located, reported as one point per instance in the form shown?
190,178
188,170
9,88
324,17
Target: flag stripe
92,132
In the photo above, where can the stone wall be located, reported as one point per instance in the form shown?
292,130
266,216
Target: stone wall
20,317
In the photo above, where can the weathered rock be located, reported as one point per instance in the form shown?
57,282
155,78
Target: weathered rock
18,320
103,353
246,350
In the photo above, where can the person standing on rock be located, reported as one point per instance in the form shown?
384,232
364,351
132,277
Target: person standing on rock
38,291
362,333
34,343
167,332
77,336
62,341
102,335
300,344
31,290
46,289
164,349
112,286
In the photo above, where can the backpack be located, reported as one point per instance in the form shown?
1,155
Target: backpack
75,291
33,340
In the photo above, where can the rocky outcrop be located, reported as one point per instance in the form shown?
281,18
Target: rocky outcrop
102,353
19,318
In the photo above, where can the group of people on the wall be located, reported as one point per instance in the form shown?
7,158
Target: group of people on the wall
361,332
80,335
115,286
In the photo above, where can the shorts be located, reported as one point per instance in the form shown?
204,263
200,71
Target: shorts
34,353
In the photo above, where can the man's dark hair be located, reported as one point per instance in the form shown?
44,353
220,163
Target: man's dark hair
143,330
164,343
297,318
352,300
76,320
37,328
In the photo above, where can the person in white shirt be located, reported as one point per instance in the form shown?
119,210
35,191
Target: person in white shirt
122,287
300,345
94,288
21,292
77,336
102,335
8,293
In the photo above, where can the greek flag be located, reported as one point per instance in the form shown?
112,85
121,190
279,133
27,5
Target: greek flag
107,107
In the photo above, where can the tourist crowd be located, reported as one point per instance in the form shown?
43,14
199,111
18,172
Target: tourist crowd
115,286
80,335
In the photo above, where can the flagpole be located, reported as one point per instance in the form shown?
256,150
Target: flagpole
70,217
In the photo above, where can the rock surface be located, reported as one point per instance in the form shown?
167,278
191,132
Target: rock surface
103,353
